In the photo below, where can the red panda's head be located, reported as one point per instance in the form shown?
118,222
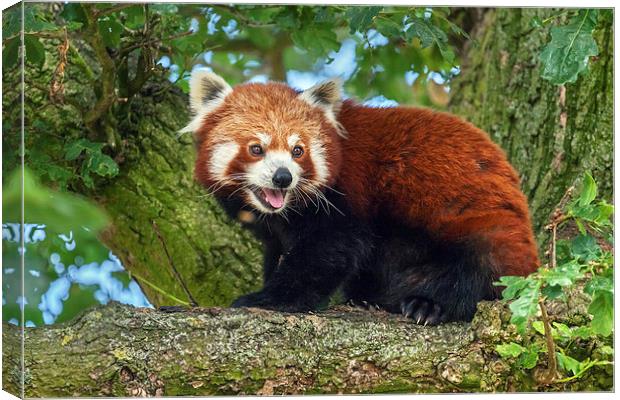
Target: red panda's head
274,147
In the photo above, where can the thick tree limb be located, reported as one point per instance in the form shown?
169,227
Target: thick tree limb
118,350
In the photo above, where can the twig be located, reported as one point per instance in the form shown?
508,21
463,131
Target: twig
553,365
131,48
57,86
192,301
108,73
557,218
116,8
157,288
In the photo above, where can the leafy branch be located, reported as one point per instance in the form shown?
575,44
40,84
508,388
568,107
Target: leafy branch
578,265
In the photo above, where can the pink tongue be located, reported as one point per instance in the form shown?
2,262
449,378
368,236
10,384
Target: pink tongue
274,197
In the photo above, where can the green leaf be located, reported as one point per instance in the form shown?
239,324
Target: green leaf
563,330
10,53
103,165
583,332
528,359
514,284
134,16
600,282
585,248
510,350
33,20
588,191
74,149
571,46
74,12
568,363
525,306
35,51
602,310
430,34
563,275
110,30
58,210
552,291
539,327
318,40
360,18
262,14
388,28
11,21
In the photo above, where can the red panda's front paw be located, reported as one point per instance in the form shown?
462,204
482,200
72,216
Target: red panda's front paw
422,311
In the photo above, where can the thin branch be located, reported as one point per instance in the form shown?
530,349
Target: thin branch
126,50
59,34
111,10
240,17
553,365
108,73
157,288
192,301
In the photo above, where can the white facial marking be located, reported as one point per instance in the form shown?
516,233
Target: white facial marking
292,140
261,172
264,138
319,160
223,154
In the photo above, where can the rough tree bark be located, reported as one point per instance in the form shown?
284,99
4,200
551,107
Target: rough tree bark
123,351
216,258
552,134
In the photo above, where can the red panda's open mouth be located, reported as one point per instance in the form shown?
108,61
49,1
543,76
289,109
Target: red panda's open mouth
273,199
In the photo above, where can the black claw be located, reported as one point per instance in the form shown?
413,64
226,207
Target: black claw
421,311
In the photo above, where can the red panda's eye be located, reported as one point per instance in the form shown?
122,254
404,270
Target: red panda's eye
256,150
297,151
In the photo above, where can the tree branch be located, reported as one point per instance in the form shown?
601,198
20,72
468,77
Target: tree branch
123,351
108,74
107,11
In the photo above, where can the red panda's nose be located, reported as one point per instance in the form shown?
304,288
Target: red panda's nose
282,178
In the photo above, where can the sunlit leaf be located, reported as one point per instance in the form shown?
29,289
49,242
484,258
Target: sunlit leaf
570,48
360,18
568,363
588,191
602,310
510,349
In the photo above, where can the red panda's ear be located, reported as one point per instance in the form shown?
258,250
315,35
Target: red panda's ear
328,97
206,92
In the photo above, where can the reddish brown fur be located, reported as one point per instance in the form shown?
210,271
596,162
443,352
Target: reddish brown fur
439,172
425,168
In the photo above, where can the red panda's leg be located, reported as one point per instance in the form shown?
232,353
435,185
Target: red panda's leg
312,268
435,279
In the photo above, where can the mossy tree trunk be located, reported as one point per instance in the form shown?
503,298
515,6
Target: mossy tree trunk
552,134
124,351
215,257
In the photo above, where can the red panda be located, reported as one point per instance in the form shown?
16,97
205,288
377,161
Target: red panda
413,210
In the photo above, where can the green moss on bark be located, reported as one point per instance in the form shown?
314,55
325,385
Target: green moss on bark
123,351
217,259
